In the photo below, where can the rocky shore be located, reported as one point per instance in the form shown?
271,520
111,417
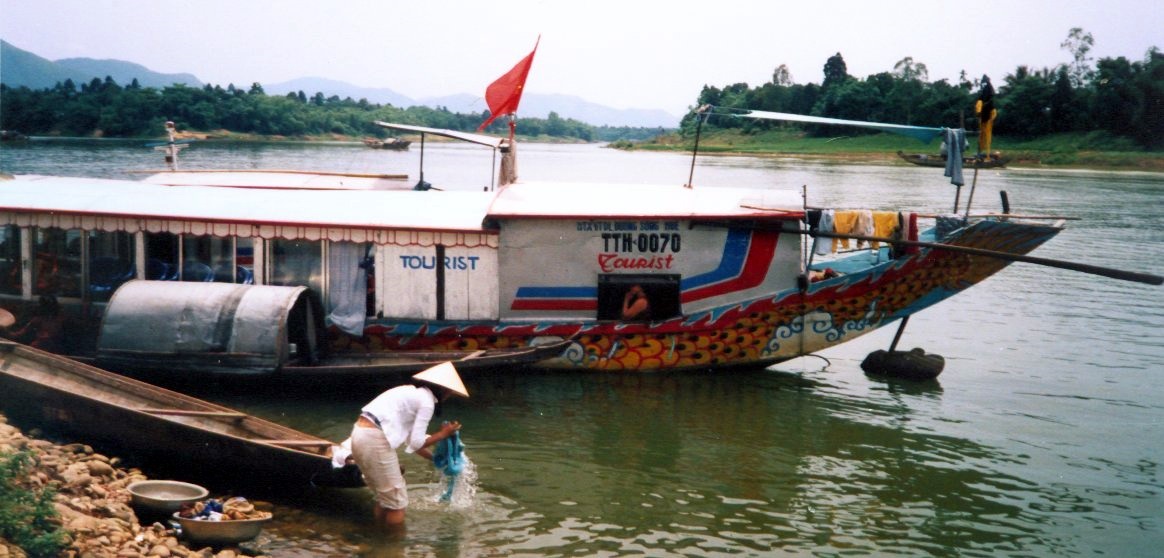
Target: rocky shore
92,503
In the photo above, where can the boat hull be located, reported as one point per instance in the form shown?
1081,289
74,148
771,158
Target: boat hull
756,332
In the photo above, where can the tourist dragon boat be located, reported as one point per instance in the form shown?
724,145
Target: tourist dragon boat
613,277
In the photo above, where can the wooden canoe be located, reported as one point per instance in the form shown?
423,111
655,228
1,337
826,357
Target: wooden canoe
150,422
924,160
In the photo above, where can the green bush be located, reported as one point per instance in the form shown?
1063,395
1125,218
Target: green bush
27,517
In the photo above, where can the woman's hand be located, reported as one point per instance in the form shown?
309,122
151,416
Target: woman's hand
448,428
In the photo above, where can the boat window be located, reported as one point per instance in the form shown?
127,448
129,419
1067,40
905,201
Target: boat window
208,258
349,285
638,298
296,262
56,268
111,262
244,260
10,268
161,251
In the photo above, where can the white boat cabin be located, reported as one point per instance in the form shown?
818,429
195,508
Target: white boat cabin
528,252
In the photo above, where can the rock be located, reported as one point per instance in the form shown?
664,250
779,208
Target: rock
73,473
159,550
100,468
74,448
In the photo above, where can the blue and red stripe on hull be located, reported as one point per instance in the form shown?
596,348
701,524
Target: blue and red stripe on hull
744,263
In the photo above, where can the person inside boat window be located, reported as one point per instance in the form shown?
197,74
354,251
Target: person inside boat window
635,305
43,330
397,417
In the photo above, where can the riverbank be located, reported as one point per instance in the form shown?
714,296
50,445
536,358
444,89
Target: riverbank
89,514
1093,151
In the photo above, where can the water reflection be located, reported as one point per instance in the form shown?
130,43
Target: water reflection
703,464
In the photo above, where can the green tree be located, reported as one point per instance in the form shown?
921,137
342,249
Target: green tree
781,76
835,71
1079,44
1024,104
1150,82
1117,102
1064,112
908,70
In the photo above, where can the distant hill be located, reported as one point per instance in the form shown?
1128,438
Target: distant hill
567,106
532,104
312,85
125,72
22,68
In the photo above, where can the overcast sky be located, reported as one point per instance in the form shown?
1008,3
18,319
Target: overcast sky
621,53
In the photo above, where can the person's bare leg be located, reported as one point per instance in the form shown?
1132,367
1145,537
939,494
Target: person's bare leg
393,519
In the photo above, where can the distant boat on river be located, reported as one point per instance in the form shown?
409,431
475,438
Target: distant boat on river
395,144
995,160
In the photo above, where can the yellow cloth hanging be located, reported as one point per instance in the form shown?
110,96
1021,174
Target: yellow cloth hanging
885,224
843,223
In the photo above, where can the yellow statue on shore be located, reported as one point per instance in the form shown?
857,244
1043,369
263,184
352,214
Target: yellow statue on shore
985,111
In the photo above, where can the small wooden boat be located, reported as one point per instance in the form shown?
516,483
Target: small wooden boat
996,160
150,421
395,144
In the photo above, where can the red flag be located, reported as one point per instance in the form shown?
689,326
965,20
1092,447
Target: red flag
503,95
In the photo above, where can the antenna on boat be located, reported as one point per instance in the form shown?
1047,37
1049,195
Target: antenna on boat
495,143
420,184
701,114
172,147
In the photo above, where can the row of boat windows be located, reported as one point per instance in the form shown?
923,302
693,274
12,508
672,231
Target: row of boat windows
57,254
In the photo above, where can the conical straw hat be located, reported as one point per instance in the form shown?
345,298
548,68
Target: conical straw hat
444,375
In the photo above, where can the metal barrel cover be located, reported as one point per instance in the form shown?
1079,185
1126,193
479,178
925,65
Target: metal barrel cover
197,326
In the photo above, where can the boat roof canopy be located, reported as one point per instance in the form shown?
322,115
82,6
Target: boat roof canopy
481,139
101,204
117,200
279,179
632,201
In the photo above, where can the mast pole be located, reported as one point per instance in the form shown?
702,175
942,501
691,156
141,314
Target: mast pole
701,114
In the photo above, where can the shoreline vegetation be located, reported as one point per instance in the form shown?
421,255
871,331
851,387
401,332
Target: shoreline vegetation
1091,151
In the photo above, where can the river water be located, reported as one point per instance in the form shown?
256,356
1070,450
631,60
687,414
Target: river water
1043,436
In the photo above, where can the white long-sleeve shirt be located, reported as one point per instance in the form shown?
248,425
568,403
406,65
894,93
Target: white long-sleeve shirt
404,413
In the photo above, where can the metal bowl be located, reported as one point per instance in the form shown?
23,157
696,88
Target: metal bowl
164,497
227,531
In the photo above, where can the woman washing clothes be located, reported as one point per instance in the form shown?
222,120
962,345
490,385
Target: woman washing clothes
397,417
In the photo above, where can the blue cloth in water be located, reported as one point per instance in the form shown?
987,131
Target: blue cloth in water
449,458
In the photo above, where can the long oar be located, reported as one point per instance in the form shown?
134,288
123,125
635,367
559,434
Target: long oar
1120,274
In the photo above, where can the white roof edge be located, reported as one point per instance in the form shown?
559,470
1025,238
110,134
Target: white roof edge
480,139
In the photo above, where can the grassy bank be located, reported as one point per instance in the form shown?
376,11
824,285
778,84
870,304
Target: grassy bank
1096,150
